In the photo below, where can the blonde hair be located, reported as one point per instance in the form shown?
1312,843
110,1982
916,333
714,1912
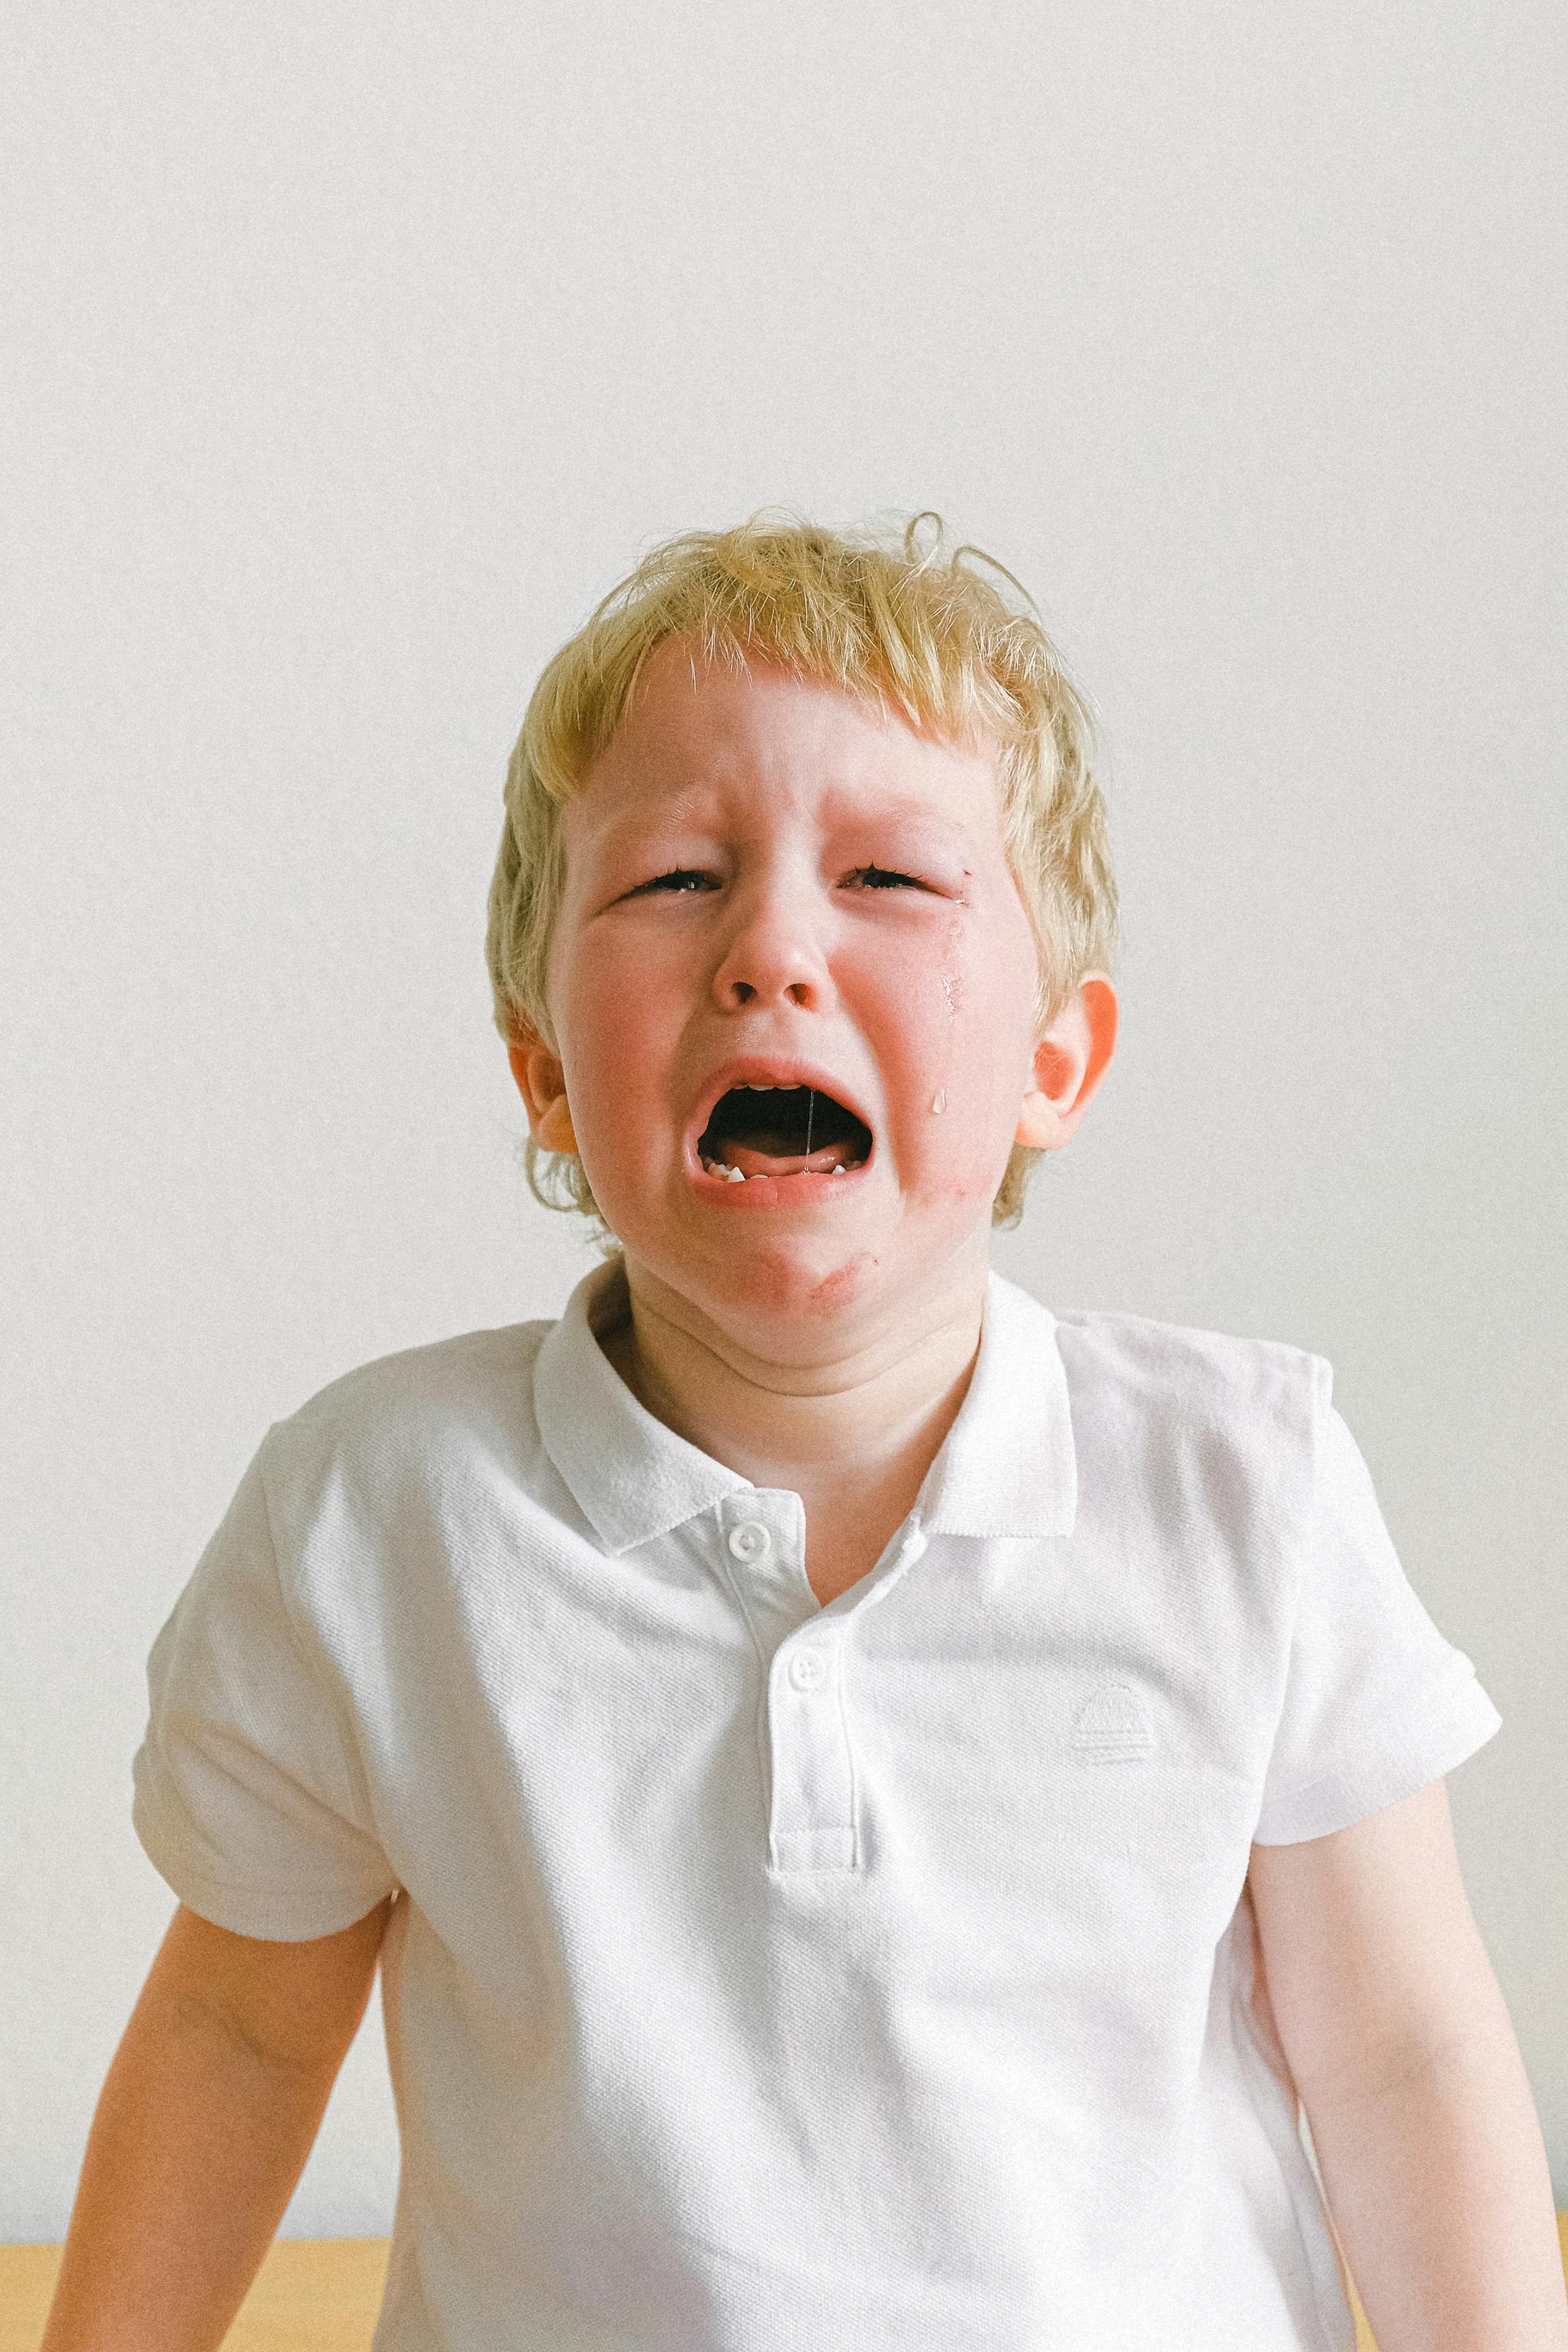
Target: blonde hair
863,610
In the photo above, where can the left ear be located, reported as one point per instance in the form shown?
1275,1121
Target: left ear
1070,1060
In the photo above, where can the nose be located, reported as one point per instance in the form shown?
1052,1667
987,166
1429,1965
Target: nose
775,949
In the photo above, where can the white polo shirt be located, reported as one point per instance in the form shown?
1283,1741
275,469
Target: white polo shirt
874,1978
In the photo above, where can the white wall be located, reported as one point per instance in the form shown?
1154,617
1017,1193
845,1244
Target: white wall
357,351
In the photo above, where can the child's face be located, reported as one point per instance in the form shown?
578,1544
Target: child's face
911,998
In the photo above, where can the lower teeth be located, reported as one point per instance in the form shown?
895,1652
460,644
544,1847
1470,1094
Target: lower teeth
727,1175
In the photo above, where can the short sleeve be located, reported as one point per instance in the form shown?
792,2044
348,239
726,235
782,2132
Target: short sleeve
1377,1702
248,1800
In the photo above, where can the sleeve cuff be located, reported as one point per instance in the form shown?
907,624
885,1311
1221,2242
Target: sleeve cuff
289,1913
1443,1729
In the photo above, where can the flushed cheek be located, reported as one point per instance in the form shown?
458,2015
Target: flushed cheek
940,1083
962,1004
982,1082
974,1157
616,1056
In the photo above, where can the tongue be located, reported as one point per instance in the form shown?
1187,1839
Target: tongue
753,1162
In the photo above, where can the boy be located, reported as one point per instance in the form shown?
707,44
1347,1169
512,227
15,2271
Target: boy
873,1801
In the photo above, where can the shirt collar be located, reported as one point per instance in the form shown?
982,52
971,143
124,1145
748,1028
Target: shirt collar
1007,1467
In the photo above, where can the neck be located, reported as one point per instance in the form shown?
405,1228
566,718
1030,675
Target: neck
869,1416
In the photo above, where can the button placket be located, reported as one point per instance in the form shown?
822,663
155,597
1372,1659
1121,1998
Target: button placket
757,1549
812,1817
811,1811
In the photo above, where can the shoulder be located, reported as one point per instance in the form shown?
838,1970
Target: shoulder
419,1412
1188,1388
1181,1357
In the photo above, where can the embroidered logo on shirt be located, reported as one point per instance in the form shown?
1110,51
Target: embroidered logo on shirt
1111,1723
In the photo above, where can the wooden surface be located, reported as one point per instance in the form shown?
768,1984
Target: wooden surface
311,2294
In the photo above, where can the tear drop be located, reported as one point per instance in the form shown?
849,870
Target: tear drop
939,1101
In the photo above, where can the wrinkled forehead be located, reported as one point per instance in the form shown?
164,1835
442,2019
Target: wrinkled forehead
699,742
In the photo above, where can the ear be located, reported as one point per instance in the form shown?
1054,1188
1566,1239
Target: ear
541,1082
1070,1060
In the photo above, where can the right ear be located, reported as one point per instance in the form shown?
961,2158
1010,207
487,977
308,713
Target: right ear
541,1082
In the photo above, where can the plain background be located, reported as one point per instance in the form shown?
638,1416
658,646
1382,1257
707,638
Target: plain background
354,352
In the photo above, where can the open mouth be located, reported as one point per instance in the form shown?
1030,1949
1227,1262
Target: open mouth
780,1131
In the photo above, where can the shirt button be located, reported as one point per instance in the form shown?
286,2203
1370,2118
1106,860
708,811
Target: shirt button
807,1669
750,1539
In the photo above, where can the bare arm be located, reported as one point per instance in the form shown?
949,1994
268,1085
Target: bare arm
205,2119
1437,2180
1402,2048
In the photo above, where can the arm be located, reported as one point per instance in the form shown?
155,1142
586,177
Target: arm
1437,2180
1401,2046
203,2127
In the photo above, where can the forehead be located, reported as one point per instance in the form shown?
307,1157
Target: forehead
698,739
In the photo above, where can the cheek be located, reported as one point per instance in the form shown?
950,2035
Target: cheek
614,1000
982,993
985,988
603,1015
953,1020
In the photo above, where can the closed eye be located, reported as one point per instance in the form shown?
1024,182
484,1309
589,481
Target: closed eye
691,874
